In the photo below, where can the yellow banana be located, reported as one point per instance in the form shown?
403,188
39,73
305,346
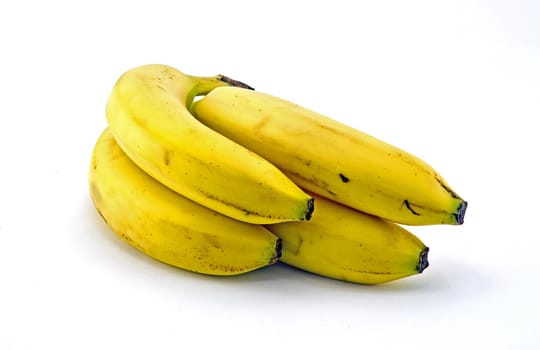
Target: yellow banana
169,227
331,159
342,243
148,114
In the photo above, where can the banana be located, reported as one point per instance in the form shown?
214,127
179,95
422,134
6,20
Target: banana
331,159
345,244
148,114
169,227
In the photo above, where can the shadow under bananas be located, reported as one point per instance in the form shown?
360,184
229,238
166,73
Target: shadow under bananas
290,285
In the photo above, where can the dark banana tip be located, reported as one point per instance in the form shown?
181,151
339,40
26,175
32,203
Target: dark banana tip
279,249
460,213
235,83
310,208
423,260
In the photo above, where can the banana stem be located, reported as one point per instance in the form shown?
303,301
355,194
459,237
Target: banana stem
232,82
203,85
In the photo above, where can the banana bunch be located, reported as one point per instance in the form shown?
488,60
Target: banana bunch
238,180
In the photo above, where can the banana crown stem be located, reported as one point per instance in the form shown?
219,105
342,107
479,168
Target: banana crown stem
203,85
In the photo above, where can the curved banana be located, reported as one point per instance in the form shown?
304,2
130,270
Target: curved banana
331,159
345,244
148,114
168,226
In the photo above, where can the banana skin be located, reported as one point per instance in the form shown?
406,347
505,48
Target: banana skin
169,227
345,244
148,114
331,159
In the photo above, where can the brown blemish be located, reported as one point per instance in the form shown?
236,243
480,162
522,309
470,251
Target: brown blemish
236,206
312,180
261,124
167,157
214,242
102,216
297,249
343,178
445,186
408,205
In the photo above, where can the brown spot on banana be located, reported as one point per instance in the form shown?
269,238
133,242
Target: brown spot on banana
343,178
212,239
312,180
231,269
167,157
297,249
251,212
260,125
408,206
103,216
446,188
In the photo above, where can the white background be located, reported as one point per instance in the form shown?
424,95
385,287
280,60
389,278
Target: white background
455,82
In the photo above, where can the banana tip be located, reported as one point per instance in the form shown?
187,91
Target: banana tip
423,260
310,208
278,251
460,213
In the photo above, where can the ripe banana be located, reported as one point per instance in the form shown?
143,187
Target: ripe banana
148,114
169,227
342,243
331,159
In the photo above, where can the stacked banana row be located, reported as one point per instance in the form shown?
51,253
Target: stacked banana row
238,179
